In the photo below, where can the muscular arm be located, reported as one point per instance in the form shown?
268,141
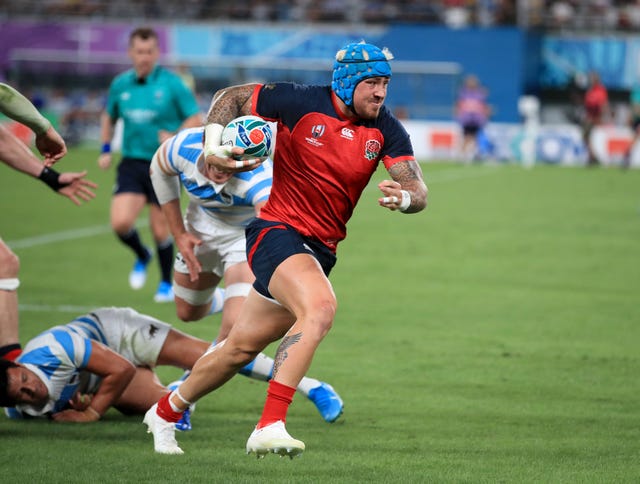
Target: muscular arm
16,106
116,372
48,141
17,155
229,103
226,105
406,175
164,178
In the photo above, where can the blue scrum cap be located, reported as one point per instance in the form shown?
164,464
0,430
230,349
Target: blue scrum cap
356,62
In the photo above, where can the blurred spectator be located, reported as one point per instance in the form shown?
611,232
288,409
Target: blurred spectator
596,111
634,122
472,113
562,13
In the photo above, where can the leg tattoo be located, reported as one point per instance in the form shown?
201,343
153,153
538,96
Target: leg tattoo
281,353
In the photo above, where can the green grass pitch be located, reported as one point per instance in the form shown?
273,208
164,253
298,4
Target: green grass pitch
494,337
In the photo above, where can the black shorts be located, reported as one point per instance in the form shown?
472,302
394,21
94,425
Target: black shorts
133,177
270,243
471,129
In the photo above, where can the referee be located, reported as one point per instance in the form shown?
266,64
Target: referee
153,104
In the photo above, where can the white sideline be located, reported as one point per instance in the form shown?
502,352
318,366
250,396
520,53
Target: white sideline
46,239
61,308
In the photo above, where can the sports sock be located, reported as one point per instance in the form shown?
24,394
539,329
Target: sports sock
261,368
165,410
132,240
10,352
217,303
279,397
165,258
307,384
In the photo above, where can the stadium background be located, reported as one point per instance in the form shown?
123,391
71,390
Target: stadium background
491,339
65,61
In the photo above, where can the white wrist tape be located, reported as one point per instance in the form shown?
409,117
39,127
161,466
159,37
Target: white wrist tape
406,200
10,284
212,139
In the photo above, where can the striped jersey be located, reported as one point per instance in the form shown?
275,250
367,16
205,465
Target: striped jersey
231,202
57,356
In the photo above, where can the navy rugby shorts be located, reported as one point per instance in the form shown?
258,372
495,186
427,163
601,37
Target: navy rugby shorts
270,243
133,177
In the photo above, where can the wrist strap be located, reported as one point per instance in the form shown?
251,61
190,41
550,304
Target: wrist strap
212,140
51,178
106,148
406,201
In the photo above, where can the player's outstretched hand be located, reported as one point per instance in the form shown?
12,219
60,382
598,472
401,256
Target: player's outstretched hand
51,145
77,187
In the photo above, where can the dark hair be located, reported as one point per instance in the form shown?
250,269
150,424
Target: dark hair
5,399
143,33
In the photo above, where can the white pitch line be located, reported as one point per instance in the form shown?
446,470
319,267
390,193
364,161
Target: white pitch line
45,239
62,308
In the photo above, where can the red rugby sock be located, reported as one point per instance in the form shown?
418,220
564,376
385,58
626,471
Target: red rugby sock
165,411
279,397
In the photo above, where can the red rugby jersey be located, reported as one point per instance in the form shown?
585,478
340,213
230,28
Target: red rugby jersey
323,161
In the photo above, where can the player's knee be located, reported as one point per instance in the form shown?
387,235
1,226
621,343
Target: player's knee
192,305
9,264
321,318
190,314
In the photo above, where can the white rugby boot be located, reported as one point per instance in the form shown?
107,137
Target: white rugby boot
164,433
274,438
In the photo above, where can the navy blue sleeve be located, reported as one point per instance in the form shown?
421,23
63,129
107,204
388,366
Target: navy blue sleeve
287,102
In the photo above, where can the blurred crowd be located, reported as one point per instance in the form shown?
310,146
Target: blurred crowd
455,12
545,14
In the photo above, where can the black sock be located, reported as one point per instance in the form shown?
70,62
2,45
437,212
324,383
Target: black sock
165,258
132,240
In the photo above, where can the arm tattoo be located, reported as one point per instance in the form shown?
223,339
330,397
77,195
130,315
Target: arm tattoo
230,103
409,175
281,353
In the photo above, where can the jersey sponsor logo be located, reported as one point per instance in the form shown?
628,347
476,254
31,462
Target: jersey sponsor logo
372,149
347,133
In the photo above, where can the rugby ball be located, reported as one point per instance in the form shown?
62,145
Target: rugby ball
251,133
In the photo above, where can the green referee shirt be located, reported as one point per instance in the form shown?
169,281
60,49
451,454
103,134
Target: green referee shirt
160,101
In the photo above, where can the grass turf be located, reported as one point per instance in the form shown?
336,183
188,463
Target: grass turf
492,338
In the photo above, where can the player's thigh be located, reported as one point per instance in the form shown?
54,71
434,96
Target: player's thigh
125,209
181,350
300,284
260,322
206,281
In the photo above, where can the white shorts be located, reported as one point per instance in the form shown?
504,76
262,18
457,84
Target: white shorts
223,245
137,337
